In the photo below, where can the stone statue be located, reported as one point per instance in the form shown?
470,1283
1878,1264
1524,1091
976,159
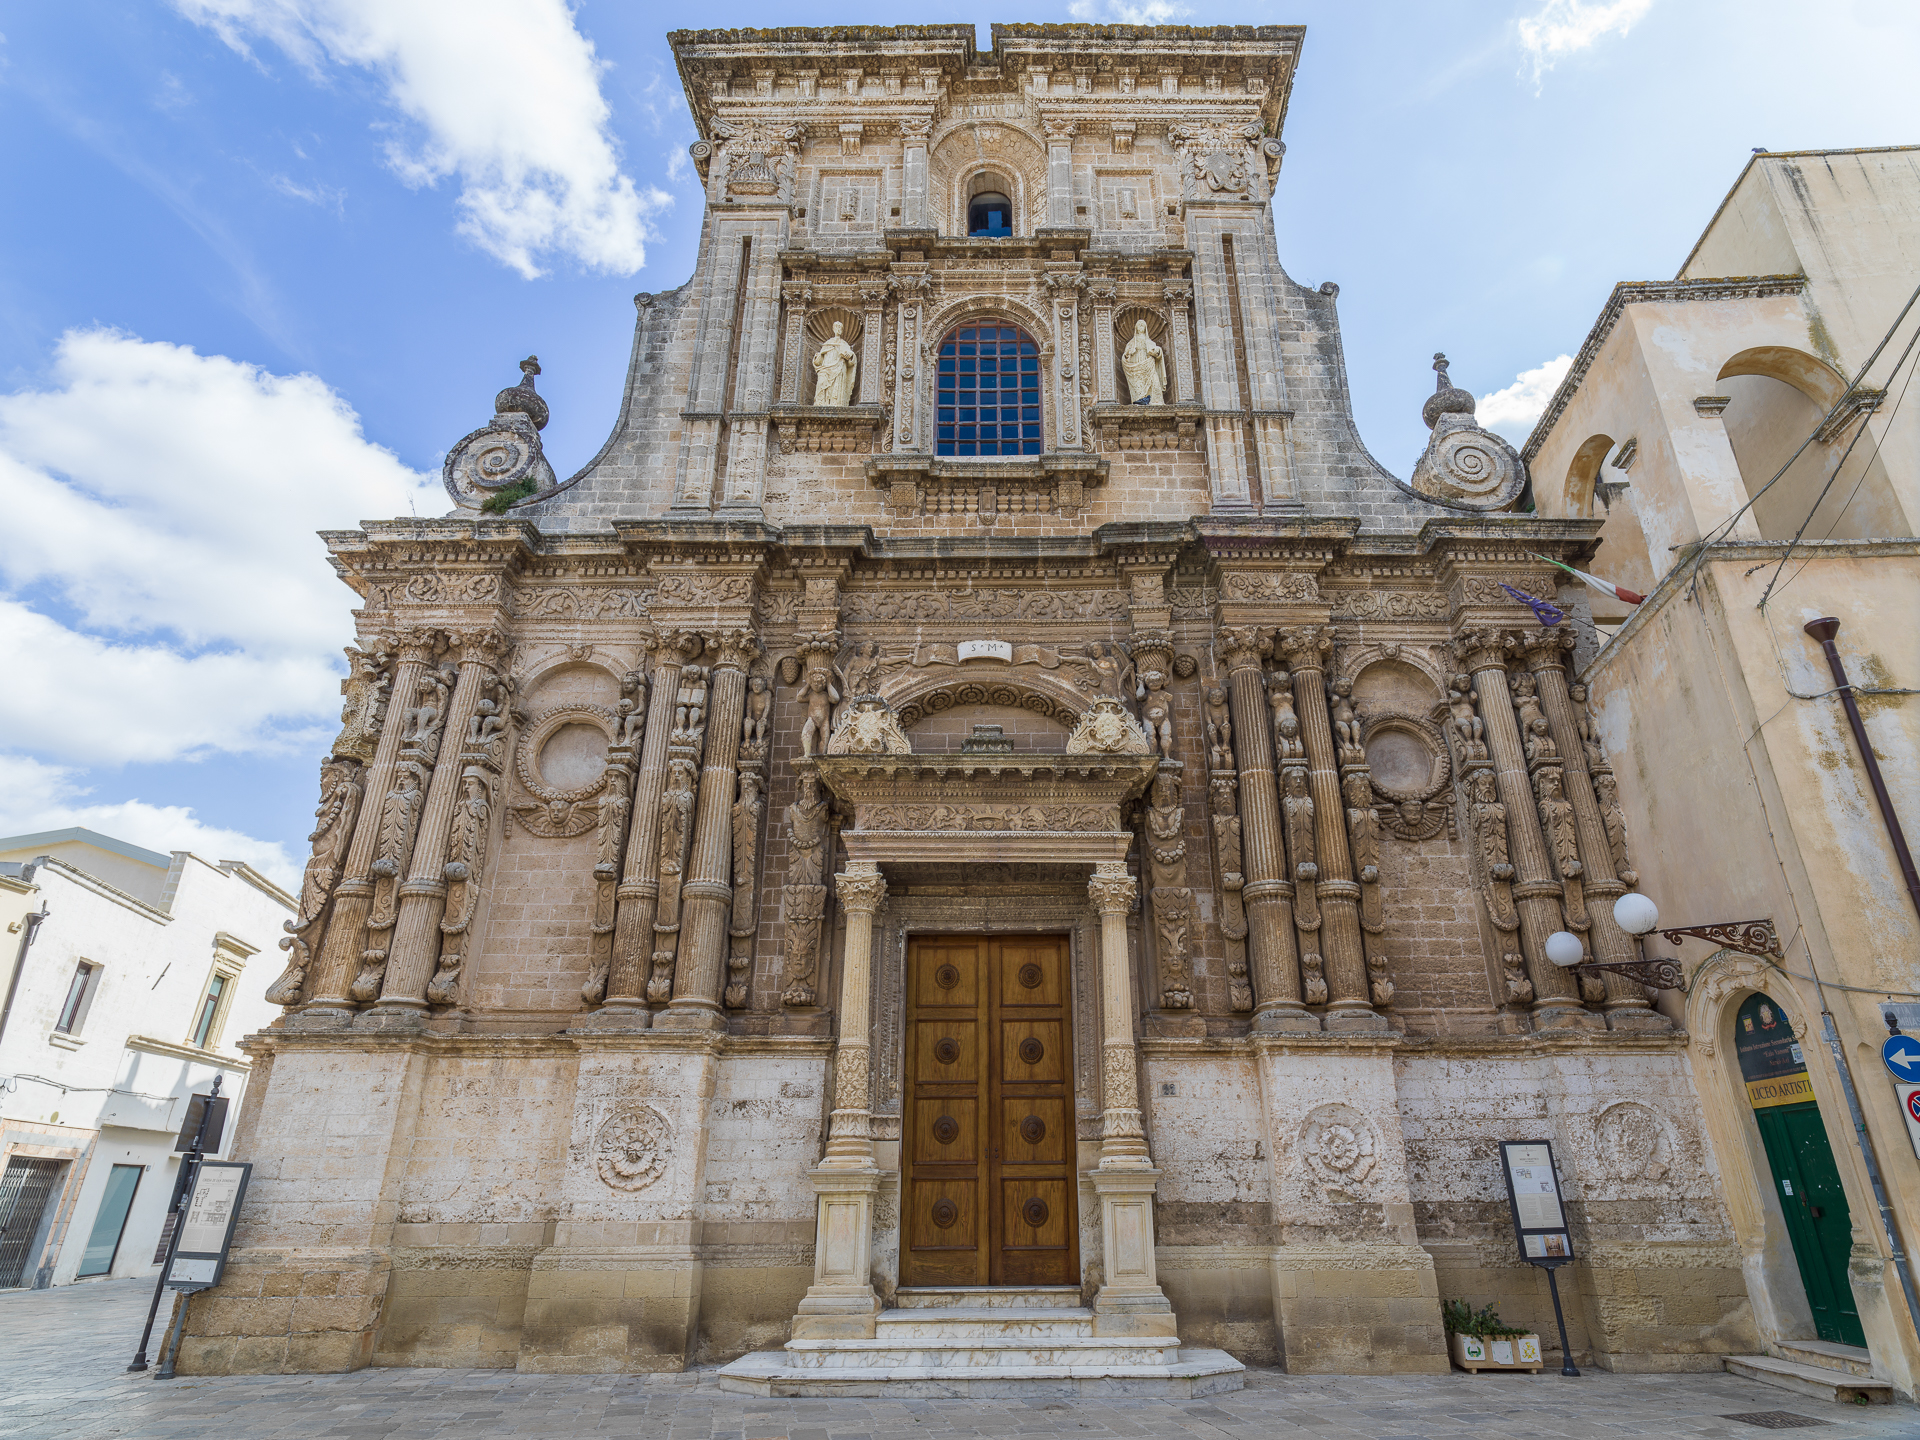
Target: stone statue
610,816
1287,744
834,364
1490,824
1468,728
1346,725
1156,709
1110,665
1583,724
1533,721
1363,827
806,833
690,705
753,729
1145,365
820,695
1297,805
1615,819
1219,730
863,669
1556,819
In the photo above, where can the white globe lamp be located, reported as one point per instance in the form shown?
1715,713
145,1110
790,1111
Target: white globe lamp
1635,913
1565,948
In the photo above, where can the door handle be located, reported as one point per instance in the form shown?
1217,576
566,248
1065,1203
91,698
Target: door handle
1815,1211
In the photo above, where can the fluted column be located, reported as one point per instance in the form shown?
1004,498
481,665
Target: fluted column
415,950
1267,894
639,890
1348,1004
1626,1006
706,898
1123,1140
347,926
1536,889
861,887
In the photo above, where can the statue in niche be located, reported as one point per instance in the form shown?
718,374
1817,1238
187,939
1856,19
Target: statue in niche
806,833
1346,725
1287,744
422,721
1156,709
690,705
834,365
1145,364
631,722
1219,730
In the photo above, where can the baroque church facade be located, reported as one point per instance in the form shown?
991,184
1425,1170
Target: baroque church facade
983,796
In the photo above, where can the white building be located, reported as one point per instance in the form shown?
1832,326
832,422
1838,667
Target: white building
123,999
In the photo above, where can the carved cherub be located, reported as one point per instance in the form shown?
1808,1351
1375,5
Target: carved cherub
1156,709
485,723
753,728
1219,729
1287,744
819,694
1468,728
1346,724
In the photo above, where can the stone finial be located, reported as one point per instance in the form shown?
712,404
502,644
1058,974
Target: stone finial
522,398
1447,398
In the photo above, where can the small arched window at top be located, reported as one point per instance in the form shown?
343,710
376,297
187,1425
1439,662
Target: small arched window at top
990,216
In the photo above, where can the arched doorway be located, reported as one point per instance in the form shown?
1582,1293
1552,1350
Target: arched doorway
1806,1182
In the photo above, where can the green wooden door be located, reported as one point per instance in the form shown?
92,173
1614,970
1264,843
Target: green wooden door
1807,1184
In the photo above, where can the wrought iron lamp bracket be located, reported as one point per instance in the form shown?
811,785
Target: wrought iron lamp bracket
1750,937
1659,974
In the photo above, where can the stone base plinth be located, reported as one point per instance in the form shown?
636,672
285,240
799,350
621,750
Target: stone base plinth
1363,1309
611,1311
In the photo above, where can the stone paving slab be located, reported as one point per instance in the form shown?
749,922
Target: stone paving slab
62,1377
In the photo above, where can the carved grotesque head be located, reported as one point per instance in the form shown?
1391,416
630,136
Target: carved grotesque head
1221,790
749,788
1166,791
1296,782
1607,787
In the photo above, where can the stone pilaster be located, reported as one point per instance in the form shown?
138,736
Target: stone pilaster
1179,295
1268,893
860,889
1123,1140
1103,292
415,948
1349,1006
1536,889
798,295
1059,171
873,330
707,893
915,131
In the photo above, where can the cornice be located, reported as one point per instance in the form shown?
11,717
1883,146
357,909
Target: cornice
1647,292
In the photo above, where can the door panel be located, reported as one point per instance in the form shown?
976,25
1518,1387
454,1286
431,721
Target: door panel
1806,1182
990,1183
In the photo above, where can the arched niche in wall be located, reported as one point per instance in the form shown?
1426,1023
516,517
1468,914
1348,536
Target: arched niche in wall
819,326
980,156
1124,319
1777,397
1593,488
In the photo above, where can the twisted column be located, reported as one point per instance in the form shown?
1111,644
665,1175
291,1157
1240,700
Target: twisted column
639,890
1536,889
1338,893
423,896
1267,894
347,926
1626,1005
861,887
706,898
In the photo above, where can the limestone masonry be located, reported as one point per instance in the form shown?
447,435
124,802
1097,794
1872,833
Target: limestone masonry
983,831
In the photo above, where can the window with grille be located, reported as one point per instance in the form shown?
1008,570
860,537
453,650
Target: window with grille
989,392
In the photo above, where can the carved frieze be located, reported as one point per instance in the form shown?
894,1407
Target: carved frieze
1387,605
984,604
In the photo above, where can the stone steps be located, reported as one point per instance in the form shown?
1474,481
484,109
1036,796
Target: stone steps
943,1352
984,1323
1193,1373
1818,1381
988,1297
1826,1355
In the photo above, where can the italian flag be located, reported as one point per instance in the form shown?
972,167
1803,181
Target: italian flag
1605,587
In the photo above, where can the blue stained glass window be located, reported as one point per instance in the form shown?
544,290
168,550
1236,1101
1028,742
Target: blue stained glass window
989,400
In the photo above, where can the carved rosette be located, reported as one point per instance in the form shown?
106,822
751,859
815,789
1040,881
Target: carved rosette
633,1146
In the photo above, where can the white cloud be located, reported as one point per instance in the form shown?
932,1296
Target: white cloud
1565,27
1129,12
1512,412
507,96
36,797
327,197
168,594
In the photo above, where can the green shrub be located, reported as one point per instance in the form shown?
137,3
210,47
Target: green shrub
501,500
1460,1318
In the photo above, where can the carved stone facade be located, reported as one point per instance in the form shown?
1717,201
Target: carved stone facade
645,786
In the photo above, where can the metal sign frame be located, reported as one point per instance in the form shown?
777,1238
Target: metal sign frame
219,1189
1551,1245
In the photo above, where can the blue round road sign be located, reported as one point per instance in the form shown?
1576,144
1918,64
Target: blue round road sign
1901,1055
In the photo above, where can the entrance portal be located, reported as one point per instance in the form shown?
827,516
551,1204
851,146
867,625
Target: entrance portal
989,1186
1806,1182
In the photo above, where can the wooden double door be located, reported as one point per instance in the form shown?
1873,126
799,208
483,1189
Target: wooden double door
989,1190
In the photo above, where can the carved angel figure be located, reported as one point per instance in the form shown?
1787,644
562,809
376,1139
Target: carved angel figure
834,366
806,833
1615,820
1156,709
1111,667
753,727
820,695
1296,806
1145,364
1468,728
1287,744
1490,824
1219,729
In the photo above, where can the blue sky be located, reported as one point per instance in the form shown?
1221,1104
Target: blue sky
265,260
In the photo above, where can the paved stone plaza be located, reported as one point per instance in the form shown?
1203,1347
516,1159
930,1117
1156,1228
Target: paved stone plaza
62,1354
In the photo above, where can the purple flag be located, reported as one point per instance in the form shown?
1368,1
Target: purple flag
1546,614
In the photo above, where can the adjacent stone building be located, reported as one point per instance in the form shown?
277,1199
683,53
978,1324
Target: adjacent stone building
982,797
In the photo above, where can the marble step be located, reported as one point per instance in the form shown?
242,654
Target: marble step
970,1324
942,1352
988,1297
1826,1355
1193,1373
1815,1380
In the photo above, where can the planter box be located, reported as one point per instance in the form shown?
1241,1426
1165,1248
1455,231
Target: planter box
1517,1352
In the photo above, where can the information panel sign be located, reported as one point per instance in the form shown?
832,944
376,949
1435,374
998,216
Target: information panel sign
207,1231
1533,1191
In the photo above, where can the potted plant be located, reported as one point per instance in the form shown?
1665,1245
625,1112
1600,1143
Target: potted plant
1481,1340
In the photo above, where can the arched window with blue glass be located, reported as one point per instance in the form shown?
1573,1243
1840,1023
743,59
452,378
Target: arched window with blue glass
989,392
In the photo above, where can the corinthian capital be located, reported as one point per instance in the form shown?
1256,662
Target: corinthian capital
860,891
1244,646
1305,647
419,642
1545,649
735,649
1484,649
1112,890
489,647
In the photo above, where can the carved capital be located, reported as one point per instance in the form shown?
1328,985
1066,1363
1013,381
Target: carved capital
735,649
1112,890
860,891
1178,292
796,294
1305,647
1546,649
1245,646
488,647
915,129
1058,131
1485,649
418,642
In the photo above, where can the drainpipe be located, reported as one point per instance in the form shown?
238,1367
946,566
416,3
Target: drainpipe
1824,630
29,926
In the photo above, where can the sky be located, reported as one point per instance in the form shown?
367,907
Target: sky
264,261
